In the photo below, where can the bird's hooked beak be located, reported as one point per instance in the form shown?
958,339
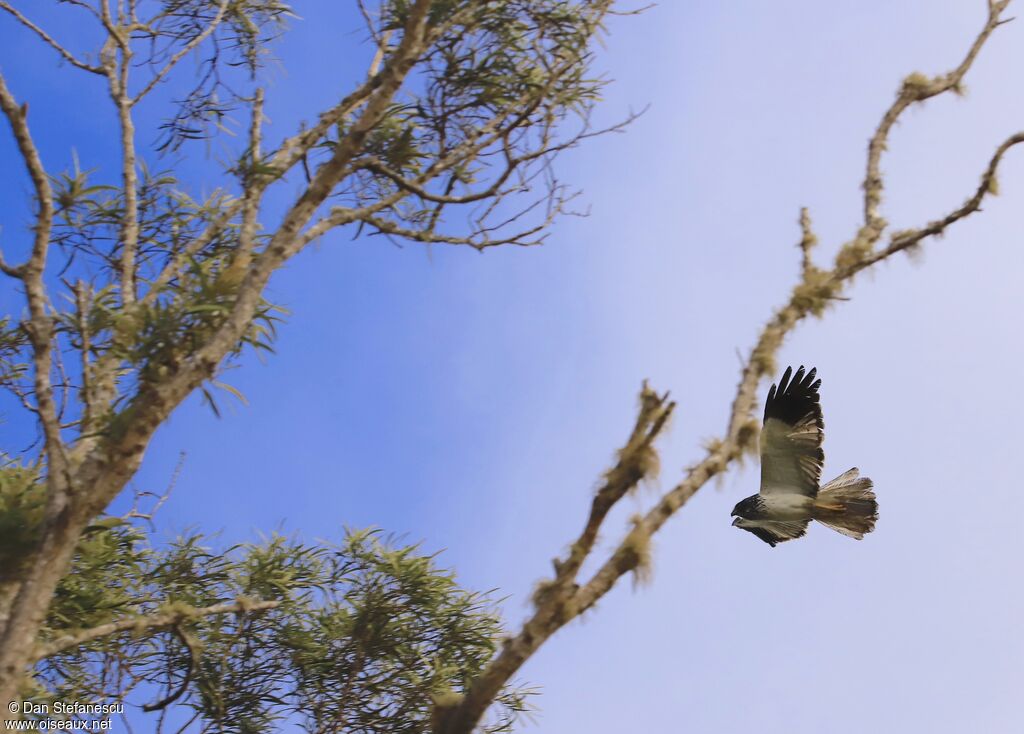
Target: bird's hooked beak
736,522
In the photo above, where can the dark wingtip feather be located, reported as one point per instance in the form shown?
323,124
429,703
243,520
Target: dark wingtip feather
784,382
794,398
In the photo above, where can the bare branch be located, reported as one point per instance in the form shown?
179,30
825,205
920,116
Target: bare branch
17,116
159,500
129,174
988,186
108,23
556,600
379,39
917,88
807,242
378,57
89,408
39,325
7,269
235,273
474,240
85,6
413,187
49,40
637,460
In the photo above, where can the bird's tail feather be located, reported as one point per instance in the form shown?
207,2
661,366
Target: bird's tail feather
847,505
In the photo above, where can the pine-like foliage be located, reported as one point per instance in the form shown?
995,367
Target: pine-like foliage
364,637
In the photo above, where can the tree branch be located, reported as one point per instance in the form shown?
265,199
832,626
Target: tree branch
558,602
49,40
637,460
288,154
498,128
83,295
17,116
807,242
917,88
743,425
294,149
908,238
286,240
236,271
182,52
118,460
39,326
148,623
480,240
118,83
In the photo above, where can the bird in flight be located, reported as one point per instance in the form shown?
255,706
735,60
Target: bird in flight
791,461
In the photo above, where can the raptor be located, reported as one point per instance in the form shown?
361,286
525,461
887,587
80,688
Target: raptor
791,463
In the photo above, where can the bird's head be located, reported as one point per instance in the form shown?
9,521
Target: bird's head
750,508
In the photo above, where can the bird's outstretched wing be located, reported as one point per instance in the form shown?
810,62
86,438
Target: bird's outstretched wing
791,454
773,533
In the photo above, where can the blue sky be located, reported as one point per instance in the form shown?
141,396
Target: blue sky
473,400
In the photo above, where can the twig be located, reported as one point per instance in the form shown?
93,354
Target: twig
161,499
807,242
17,116
49,40
193,654
182,52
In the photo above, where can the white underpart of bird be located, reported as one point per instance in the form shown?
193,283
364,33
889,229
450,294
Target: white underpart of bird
791,463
